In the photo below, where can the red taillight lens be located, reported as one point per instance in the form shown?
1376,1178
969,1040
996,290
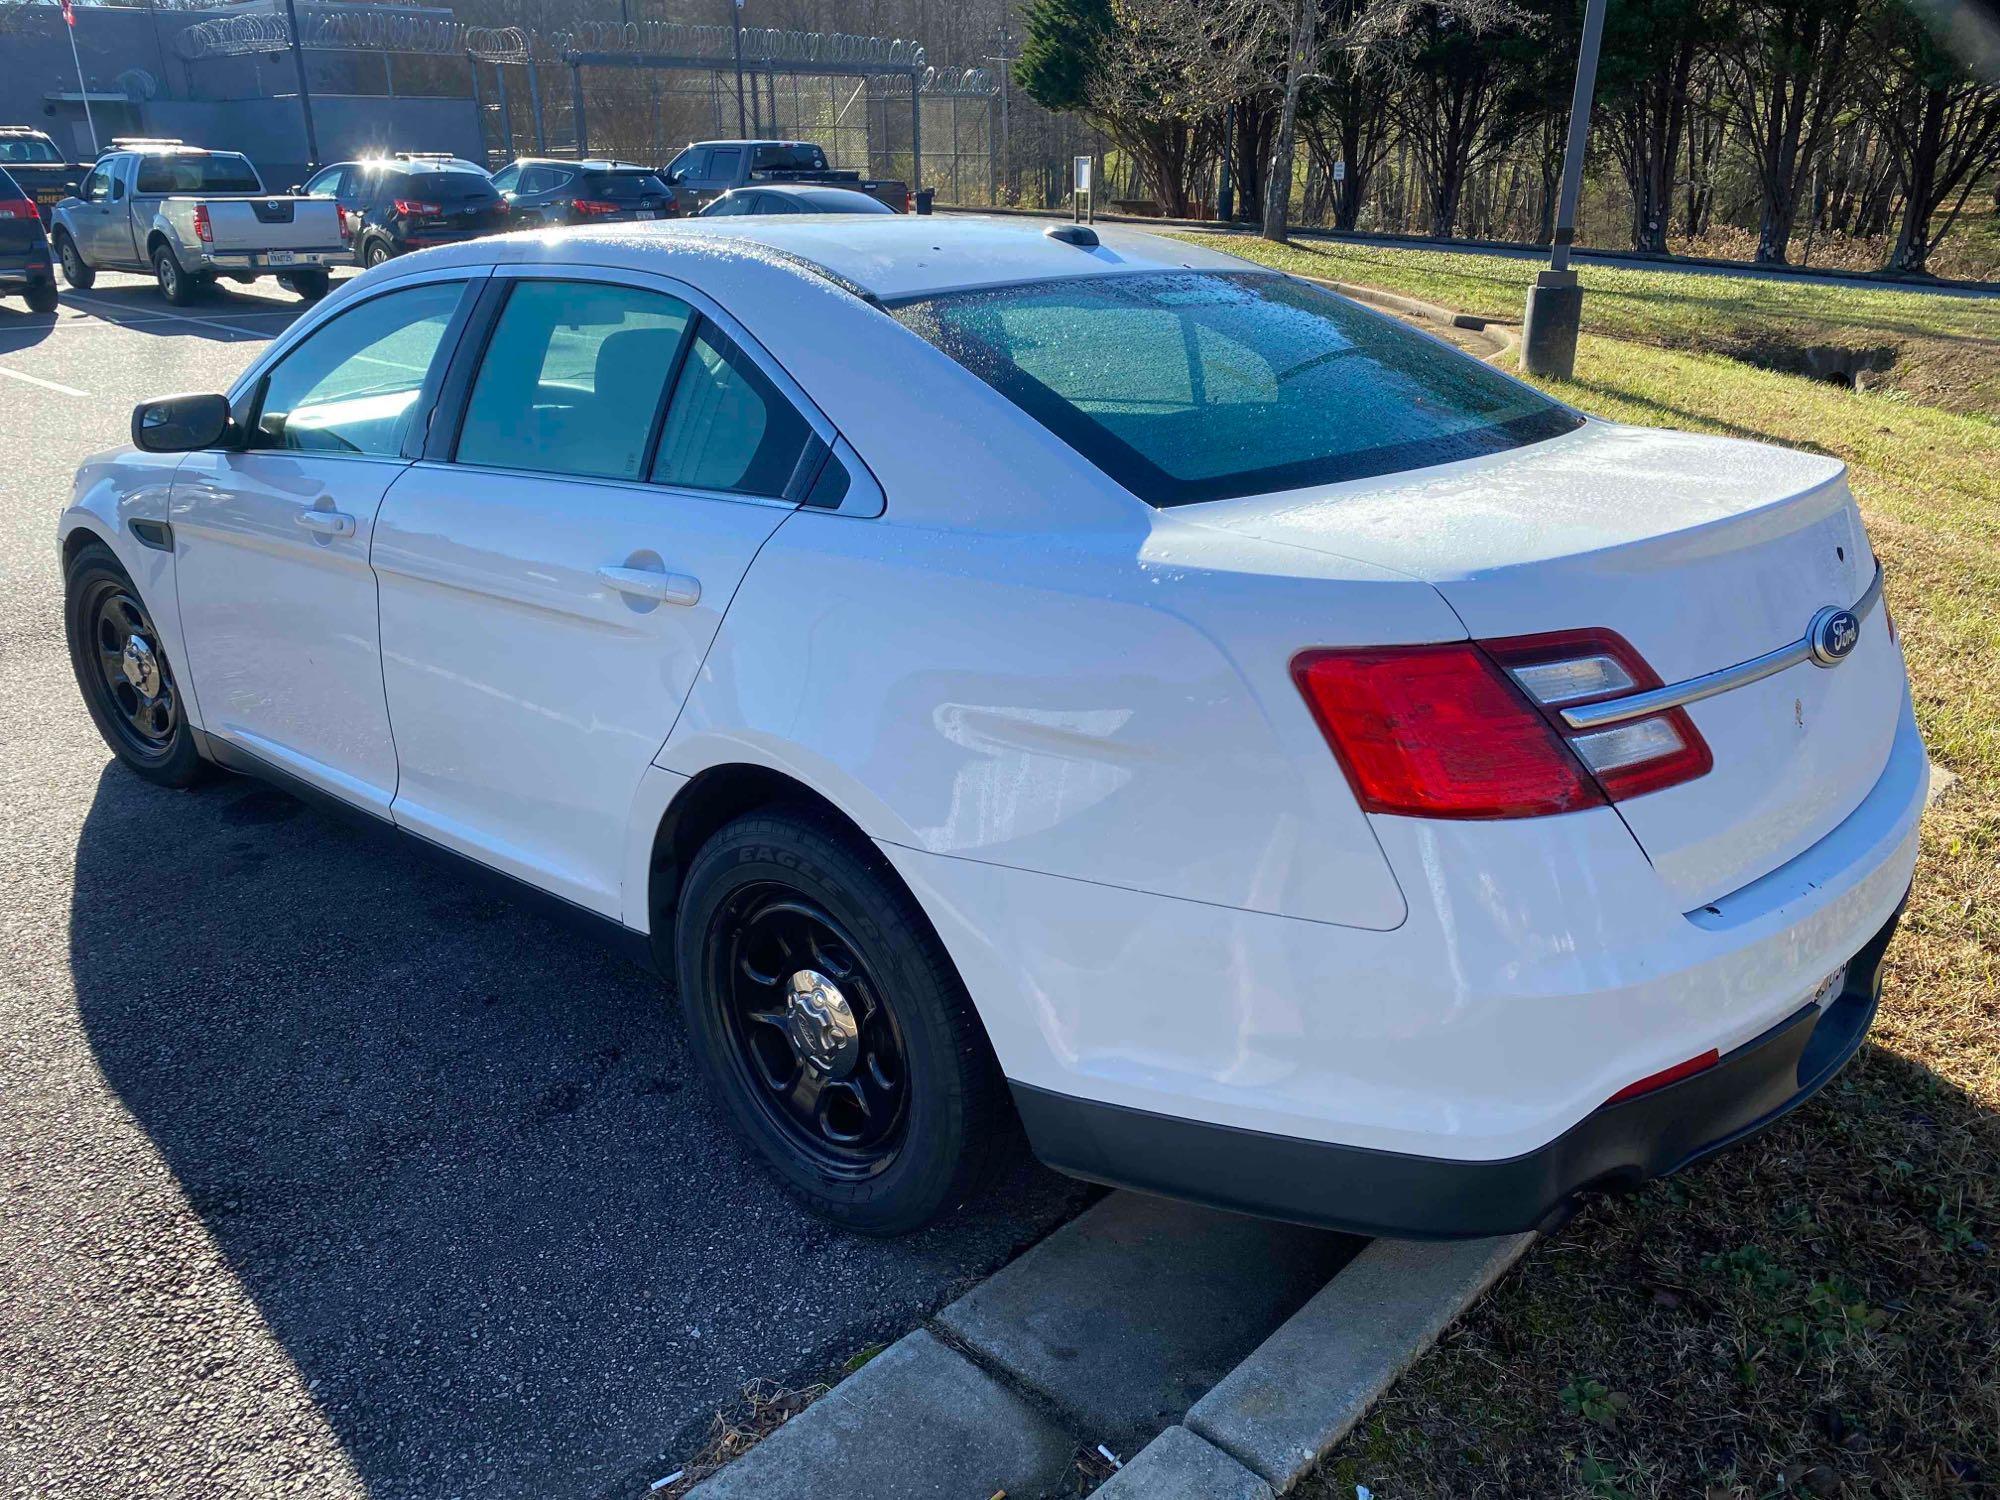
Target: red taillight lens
1439,732
592,208
909,203
18,208
1567,668
413,208
203,230
1666,1076
1472,729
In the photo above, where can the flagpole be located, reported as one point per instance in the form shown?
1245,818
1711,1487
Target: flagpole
82,88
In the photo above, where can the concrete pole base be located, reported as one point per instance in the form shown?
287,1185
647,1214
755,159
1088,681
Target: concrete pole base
1548,332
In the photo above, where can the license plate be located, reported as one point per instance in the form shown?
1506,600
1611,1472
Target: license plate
283,257
647,213
1830,987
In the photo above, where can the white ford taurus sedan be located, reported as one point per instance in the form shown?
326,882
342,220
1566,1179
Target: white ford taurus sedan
1002,672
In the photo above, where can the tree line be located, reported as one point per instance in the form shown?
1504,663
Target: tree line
1830,117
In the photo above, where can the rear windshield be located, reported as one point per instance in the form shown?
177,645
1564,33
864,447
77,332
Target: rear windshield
622,186
449,187
222,172
842,203
1190,385
788,159
10,190
27,149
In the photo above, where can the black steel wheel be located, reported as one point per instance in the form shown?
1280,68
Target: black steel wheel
825,1012
810,1029
122,669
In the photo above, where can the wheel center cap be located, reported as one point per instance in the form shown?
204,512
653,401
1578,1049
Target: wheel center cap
141,667
821,1024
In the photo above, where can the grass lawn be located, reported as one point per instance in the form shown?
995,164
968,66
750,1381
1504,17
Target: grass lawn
1819,1311
1943,351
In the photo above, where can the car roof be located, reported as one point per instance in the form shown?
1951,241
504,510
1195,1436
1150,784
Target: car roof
886,256
812,192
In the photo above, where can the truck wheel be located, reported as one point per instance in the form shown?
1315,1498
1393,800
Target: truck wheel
42,296
175,284
310,285
75,272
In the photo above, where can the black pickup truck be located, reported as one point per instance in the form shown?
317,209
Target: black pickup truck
33,161
706,170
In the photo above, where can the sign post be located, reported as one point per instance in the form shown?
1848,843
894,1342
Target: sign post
82,88
1555,301
1083,195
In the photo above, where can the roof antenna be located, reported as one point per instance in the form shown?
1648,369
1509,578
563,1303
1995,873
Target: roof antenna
1080,235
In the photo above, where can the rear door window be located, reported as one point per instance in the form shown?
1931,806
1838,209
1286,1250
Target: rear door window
1189,386
728,427
572,378
724,165
352,385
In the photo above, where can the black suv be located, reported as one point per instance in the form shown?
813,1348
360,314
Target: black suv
24,248
545,191
392,204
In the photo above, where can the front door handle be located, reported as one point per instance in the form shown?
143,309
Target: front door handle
326,522
661,588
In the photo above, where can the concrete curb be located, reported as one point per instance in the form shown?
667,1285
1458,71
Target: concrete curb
1105,1332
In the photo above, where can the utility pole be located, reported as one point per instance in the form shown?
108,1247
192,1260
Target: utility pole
736,34
1555,301
305,93
1004,169
82,88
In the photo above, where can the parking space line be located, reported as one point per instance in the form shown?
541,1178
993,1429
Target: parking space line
229,328
47,385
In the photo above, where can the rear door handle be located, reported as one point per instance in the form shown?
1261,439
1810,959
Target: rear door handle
326,522
661,588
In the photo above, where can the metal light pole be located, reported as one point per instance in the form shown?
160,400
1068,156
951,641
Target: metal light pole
305,93
736,34
1555,301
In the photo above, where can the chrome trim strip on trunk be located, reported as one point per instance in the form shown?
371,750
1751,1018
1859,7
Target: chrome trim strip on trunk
1709,684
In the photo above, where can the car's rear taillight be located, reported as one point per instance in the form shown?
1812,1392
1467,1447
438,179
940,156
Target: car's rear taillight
203,230
1439,732
1470,729
416,208
592,207
347,222
18,208
909,202
1569,668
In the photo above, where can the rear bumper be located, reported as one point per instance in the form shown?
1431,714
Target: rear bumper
1388,1193
260,262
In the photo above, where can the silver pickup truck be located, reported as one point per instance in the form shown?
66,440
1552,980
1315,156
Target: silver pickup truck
189,216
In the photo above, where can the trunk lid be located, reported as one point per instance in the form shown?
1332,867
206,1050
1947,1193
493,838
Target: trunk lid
1703,553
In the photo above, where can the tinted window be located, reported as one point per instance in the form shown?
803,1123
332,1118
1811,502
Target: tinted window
505,179
1194,386
9,188
621,187
692,161
728,427
572,379
792,158
844,203
27,148
448,187
224,172
723,163
352,385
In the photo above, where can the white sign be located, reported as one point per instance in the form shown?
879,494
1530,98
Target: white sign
1340,171
1083,174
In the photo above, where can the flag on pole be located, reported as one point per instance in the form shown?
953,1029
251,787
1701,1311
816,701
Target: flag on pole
69,15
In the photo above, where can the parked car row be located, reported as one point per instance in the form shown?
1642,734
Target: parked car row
190,216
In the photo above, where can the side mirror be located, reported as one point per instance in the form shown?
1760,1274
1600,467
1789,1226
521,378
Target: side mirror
181,424
295,189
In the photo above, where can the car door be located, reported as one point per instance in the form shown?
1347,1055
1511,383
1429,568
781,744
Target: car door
554,570
93,220
271,540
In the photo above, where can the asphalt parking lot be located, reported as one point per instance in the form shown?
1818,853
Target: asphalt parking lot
322,1171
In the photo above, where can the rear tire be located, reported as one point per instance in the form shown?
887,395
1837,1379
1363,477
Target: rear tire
42,296
129,688
175,283
80,277
824,1011
309,286
376,254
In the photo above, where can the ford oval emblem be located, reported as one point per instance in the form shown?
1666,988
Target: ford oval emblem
1832,636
